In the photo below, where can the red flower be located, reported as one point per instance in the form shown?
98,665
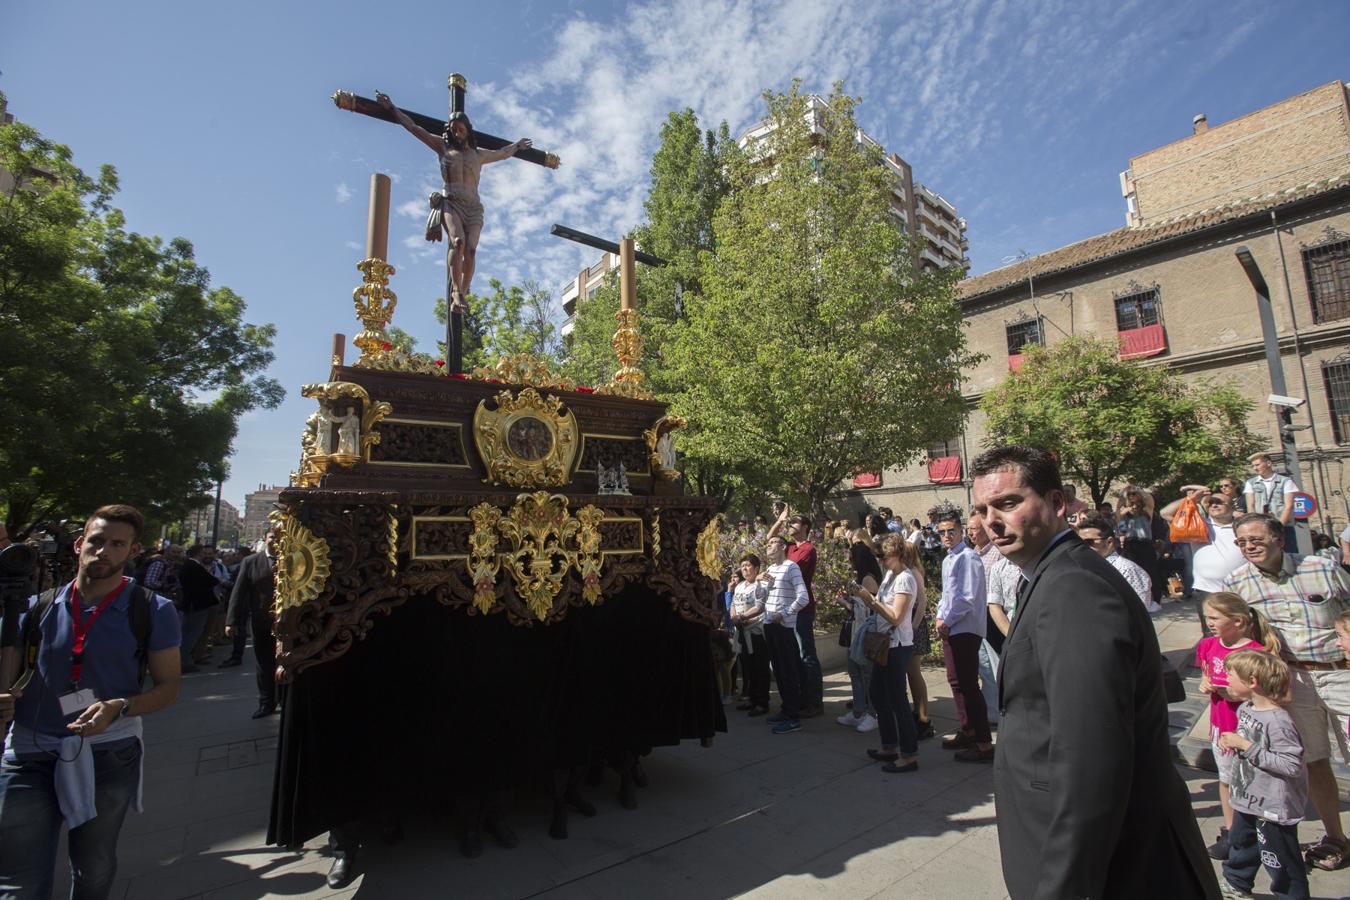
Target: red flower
581,389
460,375
387,346
440,362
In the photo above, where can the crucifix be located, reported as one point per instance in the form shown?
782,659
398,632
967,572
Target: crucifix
456,210
627,340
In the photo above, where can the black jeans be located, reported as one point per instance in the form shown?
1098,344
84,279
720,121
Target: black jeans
787,661
1253,841
754,660
895,721
813,679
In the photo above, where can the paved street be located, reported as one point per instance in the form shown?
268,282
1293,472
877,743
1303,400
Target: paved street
803,814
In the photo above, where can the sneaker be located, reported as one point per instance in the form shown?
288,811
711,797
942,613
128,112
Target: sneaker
758,711
849,720
1219,849
867,724
787,726
1226,889
777,718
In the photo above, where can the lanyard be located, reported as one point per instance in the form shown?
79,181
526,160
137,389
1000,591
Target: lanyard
81,629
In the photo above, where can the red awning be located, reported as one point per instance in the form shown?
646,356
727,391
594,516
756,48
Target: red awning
1014,361
945,470
866,480
1138,343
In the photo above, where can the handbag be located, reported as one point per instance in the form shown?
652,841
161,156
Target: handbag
877,646
846,632
1187,525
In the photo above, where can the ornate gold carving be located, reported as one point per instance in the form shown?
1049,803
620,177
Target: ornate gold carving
522,368
539,528
588,556
456,80
661,444
302,563
395,360
656,531
314,461
627,382
374,306
393,541
511,439
483,559
344,100
706,548
552,161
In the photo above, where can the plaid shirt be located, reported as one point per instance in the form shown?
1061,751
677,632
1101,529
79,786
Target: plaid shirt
1301,603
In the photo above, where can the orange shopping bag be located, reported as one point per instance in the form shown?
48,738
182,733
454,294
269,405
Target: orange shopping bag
1187,525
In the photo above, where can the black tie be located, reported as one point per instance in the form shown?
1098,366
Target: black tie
1022,586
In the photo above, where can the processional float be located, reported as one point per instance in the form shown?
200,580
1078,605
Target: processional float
482,576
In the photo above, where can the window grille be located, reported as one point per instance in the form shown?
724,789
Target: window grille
940,449
1328,271
1022,333
1138,310
1337,375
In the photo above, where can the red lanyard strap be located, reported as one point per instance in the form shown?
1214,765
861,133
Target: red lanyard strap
80,628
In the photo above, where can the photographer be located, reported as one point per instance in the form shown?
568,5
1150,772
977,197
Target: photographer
74,751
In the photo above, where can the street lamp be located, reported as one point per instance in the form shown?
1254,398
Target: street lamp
1284,412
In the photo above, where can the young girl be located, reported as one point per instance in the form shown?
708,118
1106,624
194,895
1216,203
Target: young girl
1270,779
747,616
1235,627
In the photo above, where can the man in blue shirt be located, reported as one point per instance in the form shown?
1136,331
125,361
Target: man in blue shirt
960,620
74,752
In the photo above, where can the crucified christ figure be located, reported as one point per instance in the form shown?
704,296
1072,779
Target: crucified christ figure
456,208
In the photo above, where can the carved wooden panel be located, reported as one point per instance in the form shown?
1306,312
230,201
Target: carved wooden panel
610,451
419,444
440,537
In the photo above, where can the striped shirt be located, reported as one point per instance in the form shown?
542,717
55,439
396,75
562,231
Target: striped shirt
787,594
1301,603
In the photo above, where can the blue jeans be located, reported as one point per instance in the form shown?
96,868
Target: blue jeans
193,623
30,824
813,680
894,719
860,678
988,681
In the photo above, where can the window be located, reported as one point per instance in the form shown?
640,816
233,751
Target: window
1022,333
1337,375
1328,271
1137,310
943,449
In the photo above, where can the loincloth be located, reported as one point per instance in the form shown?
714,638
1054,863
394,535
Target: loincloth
455,200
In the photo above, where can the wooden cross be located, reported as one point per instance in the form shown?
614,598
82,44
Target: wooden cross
457,86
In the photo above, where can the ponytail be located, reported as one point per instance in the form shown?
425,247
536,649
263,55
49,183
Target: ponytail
1258,628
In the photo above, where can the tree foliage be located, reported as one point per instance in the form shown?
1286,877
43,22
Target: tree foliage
1109,419
815,348
508,321
125,372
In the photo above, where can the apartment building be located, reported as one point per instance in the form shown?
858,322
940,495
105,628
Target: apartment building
258,505
1169,288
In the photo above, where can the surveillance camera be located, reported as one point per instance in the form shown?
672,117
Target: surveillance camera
1288,402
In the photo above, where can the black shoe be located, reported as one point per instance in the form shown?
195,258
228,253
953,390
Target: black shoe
341,873
230,662
812,711
502,833
264,711
925,729
471,845
1219,849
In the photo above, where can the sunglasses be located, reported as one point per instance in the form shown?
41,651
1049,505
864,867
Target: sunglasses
949,531
1255,542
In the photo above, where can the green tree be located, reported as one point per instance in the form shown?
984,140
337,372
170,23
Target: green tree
125,372
508,321
1109,419
816,348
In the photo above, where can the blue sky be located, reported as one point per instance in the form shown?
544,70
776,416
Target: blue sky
218,120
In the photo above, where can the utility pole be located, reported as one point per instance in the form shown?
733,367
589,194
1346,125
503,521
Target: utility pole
1285,413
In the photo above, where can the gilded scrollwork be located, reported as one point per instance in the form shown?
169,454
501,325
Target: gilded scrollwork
302,564
706,552
656,531
588,557
527,441
522,368
374,306
483,559
355,429
538,529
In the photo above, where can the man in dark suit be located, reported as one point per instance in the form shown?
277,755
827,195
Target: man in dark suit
1089,802
251,604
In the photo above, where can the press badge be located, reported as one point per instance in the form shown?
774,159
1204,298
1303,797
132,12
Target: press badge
77,701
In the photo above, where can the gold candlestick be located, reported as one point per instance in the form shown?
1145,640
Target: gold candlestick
374,307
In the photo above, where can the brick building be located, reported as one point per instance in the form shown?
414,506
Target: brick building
258,505
1170,289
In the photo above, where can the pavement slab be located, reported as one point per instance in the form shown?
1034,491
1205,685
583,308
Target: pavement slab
757,814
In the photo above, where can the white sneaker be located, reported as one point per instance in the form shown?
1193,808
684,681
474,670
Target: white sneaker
866,724
848,719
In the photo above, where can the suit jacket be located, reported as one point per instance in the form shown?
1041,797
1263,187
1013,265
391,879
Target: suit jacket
1088,800
252,589
199,586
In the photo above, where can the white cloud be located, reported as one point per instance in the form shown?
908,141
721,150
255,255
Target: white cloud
344,193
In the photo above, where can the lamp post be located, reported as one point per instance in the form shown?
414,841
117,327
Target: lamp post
1277,386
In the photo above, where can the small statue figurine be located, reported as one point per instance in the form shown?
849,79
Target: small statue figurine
349,433
323,431
665,449
621,480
